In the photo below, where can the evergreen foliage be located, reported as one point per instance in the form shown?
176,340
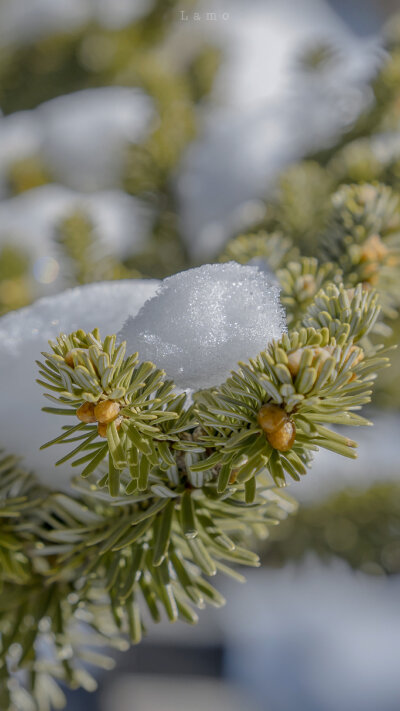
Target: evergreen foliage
171,493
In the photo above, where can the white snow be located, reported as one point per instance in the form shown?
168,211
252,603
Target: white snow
85,134
29,220
81,137
20,137
203,321
24,334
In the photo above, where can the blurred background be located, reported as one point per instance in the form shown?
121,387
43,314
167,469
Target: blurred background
136,138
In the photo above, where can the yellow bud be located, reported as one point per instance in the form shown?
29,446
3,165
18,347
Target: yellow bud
69,359
102,426
392,261
69,356
270,417
85,413
307,284
373,250
233,476
358,359
360,356
322,354
294,359
106,411
283,438
102,429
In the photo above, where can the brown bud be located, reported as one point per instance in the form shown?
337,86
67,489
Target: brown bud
322,354
233,476
69,356
307,284
366,192
373,250
358,359
106,411
270,417
283,438
102,429
198,434
392,261
69,359
102,426
370,272
373,279
294,359
85,413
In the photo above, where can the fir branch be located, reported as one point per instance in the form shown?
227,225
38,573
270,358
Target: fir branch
265,249
115,398
363,238
301,280
308,379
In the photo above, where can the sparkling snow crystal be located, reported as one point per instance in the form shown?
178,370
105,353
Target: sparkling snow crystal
203,321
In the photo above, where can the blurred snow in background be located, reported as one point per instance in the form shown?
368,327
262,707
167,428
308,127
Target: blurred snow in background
264,115
308,637
316,638
85,134
81,137
30,220
175,694
261,115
